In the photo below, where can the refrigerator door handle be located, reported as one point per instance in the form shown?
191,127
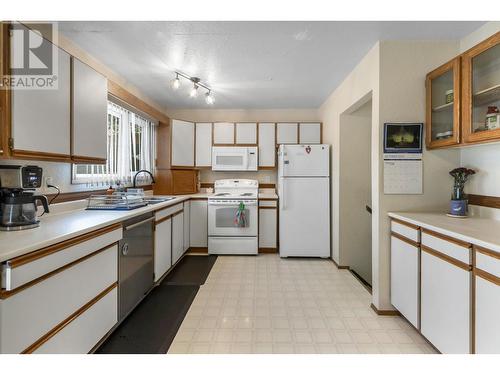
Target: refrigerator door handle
283,196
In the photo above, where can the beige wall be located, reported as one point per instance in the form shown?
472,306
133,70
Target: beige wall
243,115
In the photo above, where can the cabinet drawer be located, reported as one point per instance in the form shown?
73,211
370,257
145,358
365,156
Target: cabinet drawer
32,312
80,334
448,246
29,267
488,260
409,231
168,211
268,203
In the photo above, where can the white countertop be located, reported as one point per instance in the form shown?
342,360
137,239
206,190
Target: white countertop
475,230
61,226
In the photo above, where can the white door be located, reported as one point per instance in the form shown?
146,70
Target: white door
246,133
177,237
445,305
223,133
301,160
198,231
163,248
304,218
90,112
187,205
310,133
41,119
267,144
404,279
203,144
182,143
287,133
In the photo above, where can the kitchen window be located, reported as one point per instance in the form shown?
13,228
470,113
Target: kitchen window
131,147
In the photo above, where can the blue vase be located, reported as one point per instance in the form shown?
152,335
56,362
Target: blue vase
458,207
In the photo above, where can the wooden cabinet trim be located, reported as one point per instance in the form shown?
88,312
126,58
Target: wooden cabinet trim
268,207
453,65
42,340
41,156
409,225
463,244
6,294
487,252
404,239
446,258
37,254
487,276
87,160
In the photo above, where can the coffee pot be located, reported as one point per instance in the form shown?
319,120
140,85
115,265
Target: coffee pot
19,210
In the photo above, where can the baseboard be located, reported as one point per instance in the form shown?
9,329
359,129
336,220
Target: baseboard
268,250
339,267
198,250
385,312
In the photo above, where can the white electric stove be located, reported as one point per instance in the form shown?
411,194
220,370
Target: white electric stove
233,217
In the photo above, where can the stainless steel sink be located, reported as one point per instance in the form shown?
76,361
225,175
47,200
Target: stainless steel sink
155,200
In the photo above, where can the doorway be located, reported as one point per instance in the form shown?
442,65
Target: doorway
355,222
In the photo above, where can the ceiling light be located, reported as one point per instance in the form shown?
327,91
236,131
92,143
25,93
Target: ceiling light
175,83
194,91
209,98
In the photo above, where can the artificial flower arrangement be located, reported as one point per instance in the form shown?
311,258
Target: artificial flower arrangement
458,203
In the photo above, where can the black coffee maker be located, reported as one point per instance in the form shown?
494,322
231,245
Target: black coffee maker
18,209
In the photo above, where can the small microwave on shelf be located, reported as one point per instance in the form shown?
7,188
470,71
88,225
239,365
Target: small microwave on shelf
233,158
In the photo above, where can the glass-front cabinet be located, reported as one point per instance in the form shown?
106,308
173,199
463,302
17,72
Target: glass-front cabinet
481,91
443,105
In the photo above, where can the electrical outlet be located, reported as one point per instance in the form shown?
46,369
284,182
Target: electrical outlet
48,181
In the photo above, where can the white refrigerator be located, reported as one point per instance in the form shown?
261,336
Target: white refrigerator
304,200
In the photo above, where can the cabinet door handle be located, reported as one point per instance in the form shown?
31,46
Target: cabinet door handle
125,249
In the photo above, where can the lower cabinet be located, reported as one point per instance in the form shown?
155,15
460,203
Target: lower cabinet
198,223
405,278
177,236
268,224
187,205
445,304
163,247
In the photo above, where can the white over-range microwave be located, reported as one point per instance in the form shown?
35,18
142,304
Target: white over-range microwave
234,158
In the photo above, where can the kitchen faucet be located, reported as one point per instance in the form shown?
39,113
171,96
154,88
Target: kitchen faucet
146,171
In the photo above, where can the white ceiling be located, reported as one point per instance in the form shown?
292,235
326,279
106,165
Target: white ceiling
248,64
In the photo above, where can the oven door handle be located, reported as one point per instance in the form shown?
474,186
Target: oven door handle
219,204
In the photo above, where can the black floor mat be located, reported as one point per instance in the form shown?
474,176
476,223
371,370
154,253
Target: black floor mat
191,270
152,326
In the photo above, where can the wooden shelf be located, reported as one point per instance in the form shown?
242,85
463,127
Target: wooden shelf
489,95
443,107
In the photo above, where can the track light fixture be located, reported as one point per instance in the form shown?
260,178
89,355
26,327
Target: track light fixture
193,93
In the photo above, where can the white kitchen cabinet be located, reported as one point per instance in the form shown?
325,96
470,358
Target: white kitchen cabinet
310,133
268,225
267,144
90,113
163,248
487,280
198,232
203,144
183,140
187,206
177,236
287,133
405,278
445,304
246,133
223,133
41,119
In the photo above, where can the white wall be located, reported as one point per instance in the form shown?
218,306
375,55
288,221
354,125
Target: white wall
243,115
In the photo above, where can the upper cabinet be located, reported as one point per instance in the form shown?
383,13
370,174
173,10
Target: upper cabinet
183,139
267,145
463,98
246,133
224,133
310,133
443,105
90,113
40,119
287,133
203,144
481,91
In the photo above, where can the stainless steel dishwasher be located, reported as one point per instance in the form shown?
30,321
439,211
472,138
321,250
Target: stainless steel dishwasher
135,273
